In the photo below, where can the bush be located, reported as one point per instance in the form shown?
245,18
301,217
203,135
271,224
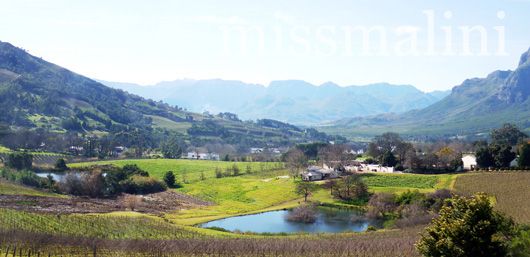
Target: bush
467,227
91,184
304,213
143,185
60,165
380,205
133,169
218,172
409,197
169,178
25,177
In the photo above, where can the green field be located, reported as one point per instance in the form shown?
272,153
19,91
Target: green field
192,169
4,149
9,188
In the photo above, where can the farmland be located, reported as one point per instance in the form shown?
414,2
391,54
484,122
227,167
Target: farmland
510,189
190,169
266,187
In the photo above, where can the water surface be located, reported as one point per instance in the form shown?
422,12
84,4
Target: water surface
329,220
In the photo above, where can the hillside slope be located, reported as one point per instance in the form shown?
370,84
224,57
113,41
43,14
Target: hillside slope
38,94
475,106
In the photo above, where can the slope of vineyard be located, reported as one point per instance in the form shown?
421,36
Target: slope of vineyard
510,189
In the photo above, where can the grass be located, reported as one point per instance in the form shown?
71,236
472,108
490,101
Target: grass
8,188
192,169
4,149
510,189
260,191
161,122
235,196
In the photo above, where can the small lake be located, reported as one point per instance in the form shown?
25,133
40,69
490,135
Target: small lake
59,176
56,176
329,220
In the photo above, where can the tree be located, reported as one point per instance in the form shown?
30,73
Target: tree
172,148
495,156
467,227
350,188
388,159
508,134
305,189
19,160
389,142
524,156
60,165
485,158
296,161
169,178
503,155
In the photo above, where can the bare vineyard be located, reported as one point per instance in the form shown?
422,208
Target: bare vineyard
43,158
16,243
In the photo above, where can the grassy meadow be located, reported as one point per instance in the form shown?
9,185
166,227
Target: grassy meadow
9,188
190,169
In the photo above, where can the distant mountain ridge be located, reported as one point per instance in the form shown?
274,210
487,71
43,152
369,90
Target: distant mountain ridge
475,106
293,101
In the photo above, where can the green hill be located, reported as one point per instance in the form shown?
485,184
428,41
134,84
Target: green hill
37,94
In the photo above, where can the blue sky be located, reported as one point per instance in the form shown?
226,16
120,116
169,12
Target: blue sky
318,41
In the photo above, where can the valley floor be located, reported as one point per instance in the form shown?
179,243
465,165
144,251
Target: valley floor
266,187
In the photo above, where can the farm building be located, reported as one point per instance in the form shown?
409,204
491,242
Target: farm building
201,156
314,173
377,168
469,160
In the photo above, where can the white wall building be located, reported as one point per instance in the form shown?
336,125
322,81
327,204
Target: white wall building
469,160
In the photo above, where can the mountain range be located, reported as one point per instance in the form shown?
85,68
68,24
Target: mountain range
474,107
292,101
36,94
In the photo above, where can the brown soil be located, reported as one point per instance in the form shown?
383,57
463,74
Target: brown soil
151,203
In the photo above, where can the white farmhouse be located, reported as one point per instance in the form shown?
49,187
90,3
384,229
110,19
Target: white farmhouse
469,160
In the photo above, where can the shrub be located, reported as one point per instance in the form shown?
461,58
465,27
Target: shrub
169,178
467,227
133,169
409,197
235,170
218,172
91,184
304,213
143,185
380,205
371,228
60,165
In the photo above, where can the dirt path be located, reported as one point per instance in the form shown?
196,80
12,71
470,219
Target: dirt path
152,203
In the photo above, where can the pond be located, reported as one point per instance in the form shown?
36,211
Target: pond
329,220
57,176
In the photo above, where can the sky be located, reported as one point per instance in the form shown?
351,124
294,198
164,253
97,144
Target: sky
431,44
